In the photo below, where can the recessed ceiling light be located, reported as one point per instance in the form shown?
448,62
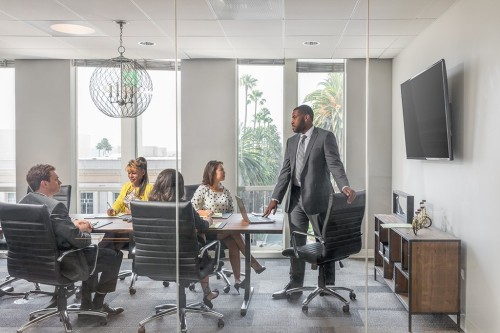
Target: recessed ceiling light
310,43
73,29
147,43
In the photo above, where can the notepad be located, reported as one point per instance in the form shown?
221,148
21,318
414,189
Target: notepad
395,225
218,225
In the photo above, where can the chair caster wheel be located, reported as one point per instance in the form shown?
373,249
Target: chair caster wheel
132,291
345,308
166,283
305,308
226,289
191,286
352,295
103,323
228,274
32,317
122,278
141,330
220,323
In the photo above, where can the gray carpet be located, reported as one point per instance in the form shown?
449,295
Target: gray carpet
325,315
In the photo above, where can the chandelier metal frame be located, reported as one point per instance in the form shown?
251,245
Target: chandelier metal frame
121,87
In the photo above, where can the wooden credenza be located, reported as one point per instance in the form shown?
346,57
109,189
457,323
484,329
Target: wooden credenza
422,270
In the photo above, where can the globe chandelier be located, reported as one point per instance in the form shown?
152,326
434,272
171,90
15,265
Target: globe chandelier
121,87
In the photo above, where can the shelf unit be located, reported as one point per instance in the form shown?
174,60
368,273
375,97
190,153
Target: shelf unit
422,270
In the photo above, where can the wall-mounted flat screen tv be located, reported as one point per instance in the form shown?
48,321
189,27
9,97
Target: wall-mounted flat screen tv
427,114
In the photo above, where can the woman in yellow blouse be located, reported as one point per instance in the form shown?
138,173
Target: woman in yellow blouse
137,189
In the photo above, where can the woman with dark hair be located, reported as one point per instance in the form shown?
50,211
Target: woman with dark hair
137,189
212,197
164,189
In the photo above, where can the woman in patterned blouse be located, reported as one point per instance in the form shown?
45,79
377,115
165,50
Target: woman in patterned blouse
212,197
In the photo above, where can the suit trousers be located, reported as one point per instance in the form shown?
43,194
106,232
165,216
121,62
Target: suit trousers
108,265
299,221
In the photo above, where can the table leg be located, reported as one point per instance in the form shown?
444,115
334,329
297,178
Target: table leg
249,288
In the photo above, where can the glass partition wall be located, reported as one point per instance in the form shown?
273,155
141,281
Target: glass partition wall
7,134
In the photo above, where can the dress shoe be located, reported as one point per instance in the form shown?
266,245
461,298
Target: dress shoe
282,293
241,285
260,270
206,301
109,310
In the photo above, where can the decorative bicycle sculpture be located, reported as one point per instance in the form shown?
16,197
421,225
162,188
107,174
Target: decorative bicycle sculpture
421,219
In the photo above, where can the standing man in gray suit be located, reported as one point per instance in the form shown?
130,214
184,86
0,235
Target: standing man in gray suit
310,157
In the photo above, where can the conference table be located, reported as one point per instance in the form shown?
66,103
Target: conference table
233,224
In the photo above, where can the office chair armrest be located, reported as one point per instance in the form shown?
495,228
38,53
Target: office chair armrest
208,246
319,238
294,244
217,251
94,246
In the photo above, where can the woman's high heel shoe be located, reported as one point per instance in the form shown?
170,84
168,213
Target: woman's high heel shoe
258,268
206,301
239,285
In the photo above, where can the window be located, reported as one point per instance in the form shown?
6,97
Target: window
260,140
101,157
7,135
156,126
87,202
99,147
321,85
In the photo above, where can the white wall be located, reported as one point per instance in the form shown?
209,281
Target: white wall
461,194
45,119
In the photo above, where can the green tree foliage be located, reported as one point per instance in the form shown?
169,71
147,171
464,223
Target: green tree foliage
327,103
105,146
260,145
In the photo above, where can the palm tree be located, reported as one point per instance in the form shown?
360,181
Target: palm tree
256,97
247,81
257,158
327,103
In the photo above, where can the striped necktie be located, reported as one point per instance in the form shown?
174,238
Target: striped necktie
299,162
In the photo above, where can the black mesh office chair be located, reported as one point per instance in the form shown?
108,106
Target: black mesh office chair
33,256
340,238
155,234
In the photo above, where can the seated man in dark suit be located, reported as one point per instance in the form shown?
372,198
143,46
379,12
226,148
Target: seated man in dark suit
44,181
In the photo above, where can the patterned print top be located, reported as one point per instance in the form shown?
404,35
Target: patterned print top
206,199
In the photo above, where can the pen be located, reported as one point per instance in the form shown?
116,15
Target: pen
109,206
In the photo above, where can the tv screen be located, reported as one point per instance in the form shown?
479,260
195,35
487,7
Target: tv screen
427,115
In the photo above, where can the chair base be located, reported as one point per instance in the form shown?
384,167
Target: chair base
169,309
40,315
133,278
7,290
323,291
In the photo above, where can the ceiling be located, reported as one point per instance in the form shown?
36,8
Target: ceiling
244,29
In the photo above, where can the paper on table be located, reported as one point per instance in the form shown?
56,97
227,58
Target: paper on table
217,225
96,237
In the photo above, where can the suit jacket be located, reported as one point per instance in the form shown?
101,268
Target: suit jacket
67,235
321,159
75,266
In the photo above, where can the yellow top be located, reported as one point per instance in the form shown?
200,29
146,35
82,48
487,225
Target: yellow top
119,205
